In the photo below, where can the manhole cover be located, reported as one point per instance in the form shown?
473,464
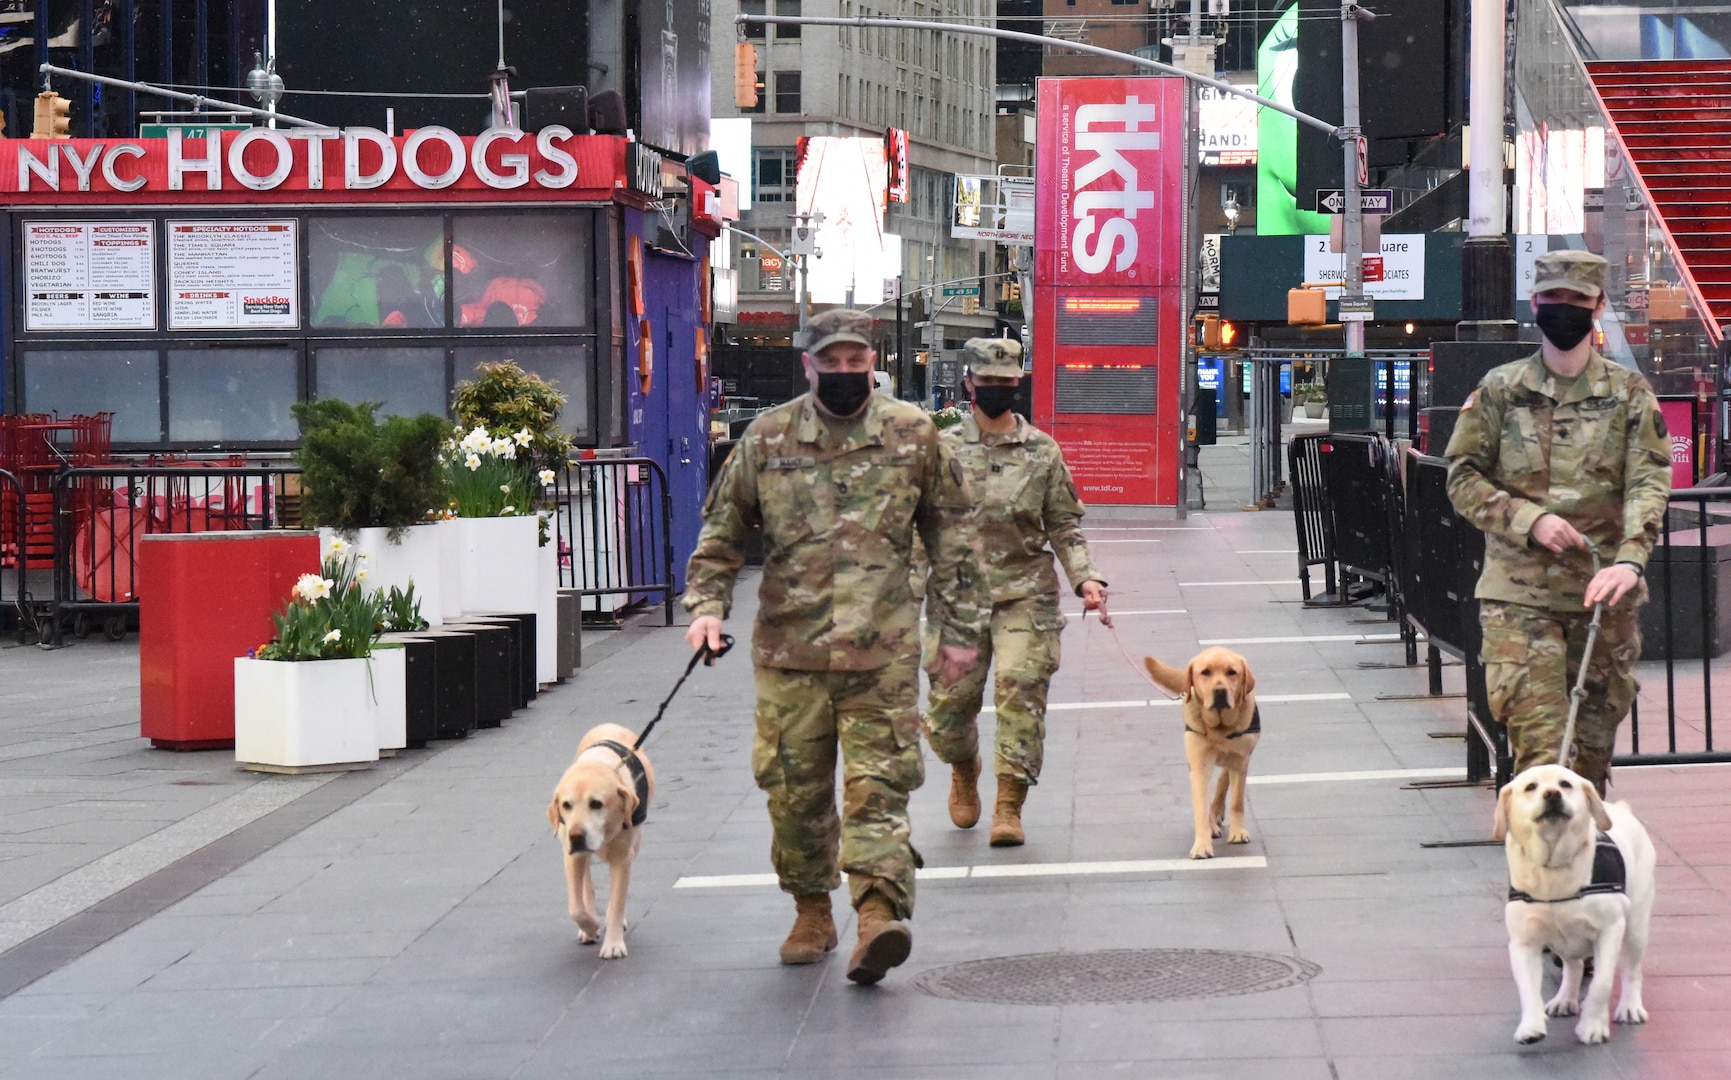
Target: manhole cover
1114,976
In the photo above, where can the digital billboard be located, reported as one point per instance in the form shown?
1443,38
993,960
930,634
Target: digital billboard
845,179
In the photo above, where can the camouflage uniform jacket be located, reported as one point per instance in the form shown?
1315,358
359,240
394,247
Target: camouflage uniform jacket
1597,456
1026,499
838,511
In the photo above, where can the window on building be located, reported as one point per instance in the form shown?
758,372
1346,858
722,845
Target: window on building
407,380
377,272
233,395
756,7
787,92
75,382
775,176
787,7
521,270
569,366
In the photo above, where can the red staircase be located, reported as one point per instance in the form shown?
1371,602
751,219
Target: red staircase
1674,118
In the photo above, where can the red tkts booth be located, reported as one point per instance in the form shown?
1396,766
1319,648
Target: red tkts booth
204,599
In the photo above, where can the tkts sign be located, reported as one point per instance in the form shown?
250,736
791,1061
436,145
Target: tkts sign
1110,158
314,165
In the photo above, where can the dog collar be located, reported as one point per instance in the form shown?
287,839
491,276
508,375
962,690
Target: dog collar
639,778
1609,875
1255,727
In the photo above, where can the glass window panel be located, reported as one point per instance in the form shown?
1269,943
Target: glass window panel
522,270
232,395
570,367
409,381
123,382
377,272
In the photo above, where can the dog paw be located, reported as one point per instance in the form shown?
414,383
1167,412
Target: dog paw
1593,1029
1631,1013
588,928
613,950
1558,1007
1239,836
1216,828
1530,1033
1202,849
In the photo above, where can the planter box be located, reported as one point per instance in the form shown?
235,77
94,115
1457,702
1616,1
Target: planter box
546,611
303,716
420,687
500,563
388,695
455,707
495,673
570,633
524,686
415,560
451,555
1314,409
1700,578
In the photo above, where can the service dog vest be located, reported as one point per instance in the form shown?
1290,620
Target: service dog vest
639,777
1609,875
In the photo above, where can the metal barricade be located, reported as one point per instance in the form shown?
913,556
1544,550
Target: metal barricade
16,525
101,513
614,520
1364,498
1310,512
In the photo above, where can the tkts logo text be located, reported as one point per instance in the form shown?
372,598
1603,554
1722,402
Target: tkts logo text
1106,184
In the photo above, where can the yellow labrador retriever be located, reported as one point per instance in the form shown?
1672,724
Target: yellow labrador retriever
598,809
1580,884
1221,727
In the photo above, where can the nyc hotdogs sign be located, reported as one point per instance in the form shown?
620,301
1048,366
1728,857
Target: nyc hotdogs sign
298,165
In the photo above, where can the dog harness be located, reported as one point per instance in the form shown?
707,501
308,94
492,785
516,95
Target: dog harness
1609,875
1255,727
639,778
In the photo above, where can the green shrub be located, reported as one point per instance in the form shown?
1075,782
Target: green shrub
504,398
359,474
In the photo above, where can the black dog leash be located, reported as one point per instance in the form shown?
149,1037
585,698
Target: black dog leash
709,657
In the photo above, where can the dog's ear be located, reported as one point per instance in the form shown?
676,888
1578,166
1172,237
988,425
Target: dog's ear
1249,678
628,794
1167,677
1596,806
553,812
1500,825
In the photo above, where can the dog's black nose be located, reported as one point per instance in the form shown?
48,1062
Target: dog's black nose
1554,797
1221,701
578,843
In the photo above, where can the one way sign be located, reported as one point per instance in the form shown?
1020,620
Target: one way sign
1370,200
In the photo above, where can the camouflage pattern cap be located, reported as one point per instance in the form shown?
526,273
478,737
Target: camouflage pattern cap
1581,271
827,328
994,357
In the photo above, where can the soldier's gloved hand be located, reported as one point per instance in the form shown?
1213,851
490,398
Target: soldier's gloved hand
1611,584
1094,599
704,630
952,663
1554,534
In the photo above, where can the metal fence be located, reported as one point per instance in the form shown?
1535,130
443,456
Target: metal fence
1311,513
15,525
101,513
614,519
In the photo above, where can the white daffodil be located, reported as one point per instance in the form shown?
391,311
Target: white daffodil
508,511
338,547
333,637
504,448
473,461
523,437
547,477
361,574
476,440
506,488
312,587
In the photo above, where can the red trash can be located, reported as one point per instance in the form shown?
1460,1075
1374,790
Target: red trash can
204,599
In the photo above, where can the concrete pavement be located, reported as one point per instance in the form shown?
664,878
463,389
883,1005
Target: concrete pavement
174,917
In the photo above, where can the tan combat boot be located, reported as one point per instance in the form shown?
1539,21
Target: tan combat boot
813,932
965,793
884,942
1007,815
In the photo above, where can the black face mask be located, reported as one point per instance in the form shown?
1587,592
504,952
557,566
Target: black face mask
1564,325
994,401
843,392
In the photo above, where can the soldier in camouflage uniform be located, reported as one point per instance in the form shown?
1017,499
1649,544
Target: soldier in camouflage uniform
1551,452
1025,500
839,479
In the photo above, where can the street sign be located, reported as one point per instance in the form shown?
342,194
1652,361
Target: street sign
1372,268
187,131
1357,309
961,290
1362,146
1370,200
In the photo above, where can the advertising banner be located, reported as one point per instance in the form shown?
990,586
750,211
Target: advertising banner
1402,267
845,179
89,275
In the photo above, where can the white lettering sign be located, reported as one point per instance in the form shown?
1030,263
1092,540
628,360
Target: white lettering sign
1098,239
89,275
1402,266
232,275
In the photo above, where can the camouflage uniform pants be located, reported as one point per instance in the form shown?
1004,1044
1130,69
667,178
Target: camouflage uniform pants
1024,641
1532,657
804,718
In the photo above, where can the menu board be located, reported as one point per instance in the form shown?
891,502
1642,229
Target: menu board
89,275
233,275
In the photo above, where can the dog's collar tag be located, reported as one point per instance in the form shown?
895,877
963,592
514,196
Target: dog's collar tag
639,778
1609,875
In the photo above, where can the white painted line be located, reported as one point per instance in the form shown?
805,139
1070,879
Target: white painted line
1135,866
1143,528
51,904
1369,774
1270,699
1012,870
1134,540
1223,584
1271,551
1368,638
1121,614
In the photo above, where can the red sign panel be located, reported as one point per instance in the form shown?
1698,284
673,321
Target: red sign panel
1372,268
896,155
1679,417
314,165
1108,262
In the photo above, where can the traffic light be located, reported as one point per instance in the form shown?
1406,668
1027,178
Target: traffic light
745,75
1228,335
53,116
1306,307
1208,332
